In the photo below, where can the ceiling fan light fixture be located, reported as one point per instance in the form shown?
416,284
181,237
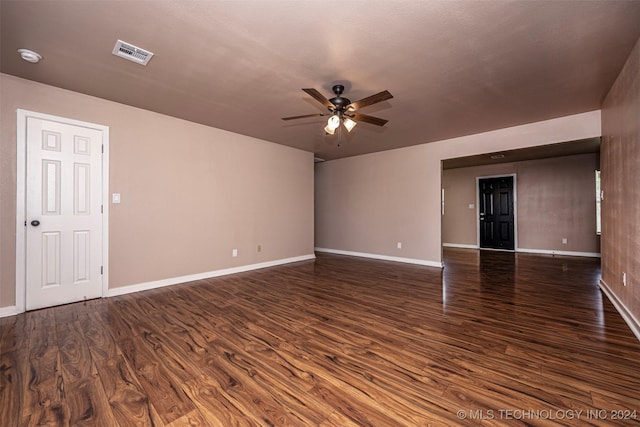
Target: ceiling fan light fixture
329,129
349,124
333,123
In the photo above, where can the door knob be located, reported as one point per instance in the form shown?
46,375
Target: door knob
35,223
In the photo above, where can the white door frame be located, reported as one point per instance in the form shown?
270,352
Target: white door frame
515,209
21,200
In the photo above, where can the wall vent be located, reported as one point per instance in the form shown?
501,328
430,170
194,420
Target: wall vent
132,53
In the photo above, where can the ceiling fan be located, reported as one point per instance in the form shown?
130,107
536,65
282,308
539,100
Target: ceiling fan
343,111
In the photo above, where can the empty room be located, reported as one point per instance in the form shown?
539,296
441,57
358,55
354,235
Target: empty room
319,213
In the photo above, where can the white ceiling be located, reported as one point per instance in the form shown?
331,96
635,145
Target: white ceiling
454,67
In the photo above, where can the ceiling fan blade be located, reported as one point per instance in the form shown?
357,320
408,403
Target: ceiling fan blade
303,116
368,119
320,98
369,100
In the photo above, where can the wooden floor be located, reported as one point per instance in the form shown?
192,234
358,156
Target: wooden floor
494,338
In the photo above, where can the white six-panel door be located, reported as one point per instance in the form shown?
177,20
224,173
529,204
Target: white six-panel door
64,228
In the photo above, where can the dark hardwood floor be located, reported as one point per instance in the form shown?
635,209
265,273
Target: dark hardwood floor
494,339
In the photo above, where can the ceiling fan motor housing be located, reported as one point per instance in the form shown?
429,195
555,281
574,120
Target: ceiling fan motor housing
340,102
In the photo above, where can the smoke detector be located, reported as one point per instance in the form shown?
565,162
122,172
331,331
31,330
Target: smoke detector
30,55
132,53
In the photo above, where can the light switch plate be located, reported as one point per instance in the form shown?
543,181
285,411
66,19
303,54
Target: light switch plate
115,198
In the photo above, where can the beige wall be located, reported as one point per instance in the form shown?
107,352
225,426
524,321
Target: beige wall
620,161
364,204
190,193
369,203
556,199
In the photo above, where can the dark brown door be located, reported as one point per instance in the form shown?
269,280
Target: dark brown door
496,213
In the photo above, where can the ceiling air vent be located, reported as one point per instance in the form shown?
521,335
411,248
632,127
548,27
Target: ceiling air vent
132,53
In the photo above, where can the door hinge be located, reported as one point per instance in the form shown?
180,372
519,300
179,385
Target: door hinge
101,208
101,269
102,148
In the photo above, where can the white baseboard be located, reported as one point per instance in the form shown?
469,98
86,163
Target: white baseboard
381,257
628,317
530,251
12,310
459,245
207,275
551,252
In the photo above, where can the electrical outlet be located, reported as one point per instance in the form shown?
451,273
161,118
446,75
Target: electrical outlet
234,252
564,240
399,245
624,279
